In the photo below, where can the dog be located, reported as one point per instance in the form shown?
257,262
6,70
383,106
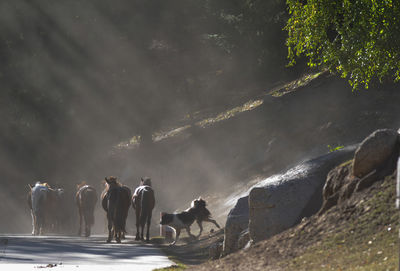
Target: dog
203,214
183,220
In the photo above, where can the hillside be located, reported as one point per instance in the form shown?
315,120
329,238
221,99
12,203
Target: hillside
228,155
359,234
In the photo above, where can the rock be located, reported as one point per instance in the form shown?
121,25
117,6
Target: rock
215,250
236,222
374,159
281,201
244,238
340,185
374,151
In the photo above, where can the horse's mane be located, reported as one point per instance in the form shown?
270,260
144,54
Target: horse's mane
78,186
113,181
42,184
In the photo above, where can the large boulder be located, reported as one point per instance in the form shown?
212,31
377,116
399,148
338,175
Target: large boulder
339,186
375,151
374,159
244,239
236,222
281,201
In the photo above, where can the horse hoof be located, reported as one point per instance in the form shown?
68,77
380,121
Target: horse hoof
118,241
108,241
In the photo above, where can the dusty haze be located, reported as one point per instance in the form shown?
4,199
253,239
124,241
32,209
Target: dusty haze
80,77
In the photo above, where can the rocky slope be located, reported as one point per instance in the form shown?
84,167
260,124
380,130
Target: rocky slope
360,233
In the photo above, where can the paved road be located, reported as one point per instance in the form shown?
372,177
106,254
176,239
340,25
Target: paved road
23,252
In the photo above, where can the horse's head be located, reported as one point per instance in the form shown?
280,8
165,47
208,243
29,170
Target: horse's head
111,182
146,181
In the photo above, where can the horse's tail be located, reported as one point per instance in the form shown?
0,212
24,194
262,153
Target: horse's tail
123,204
147,204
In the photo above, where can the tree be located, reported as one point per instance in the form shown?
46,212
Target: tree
360,39
251,32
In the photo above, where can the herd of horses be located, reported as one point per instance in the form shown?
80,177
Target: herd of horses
116,199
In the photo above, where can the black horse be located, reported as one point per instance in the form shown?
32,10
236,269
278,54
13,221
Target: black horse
115,200
143,202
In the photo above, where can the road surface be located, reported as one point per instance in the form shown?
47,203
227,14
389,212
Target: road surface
23,252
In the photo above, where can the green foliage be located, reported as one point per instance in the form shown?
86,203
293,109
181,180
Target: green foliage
360,39
333,148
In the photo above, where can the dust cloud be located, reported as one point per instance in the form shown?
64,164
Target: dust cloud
79,77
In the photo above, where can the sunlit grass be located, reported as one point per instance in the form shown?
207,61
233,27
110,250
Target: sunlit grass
293,85
175,267
248,106
365,242
230,113
158,136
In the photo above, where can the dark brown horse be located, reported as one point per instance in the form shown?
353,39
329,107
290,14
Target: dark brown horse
86,199
115,200
143,202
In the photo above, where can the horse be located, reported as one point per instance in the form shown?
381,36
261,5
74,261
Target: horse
86,199
56,201
115,200
143,202
37,202
203,214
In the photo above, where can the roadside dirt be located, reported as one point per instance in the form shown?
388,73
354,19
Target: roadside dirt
193,253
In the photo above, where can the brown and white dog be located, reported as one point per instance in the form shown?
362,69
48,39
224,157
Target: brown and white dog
183,220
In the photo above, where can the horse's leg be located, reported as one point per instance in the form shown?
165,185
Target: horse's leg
141,233
137,224
40,224
148,227
80,222
110,231
33,223
87,225
37,227
87,230
200,226
118,236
